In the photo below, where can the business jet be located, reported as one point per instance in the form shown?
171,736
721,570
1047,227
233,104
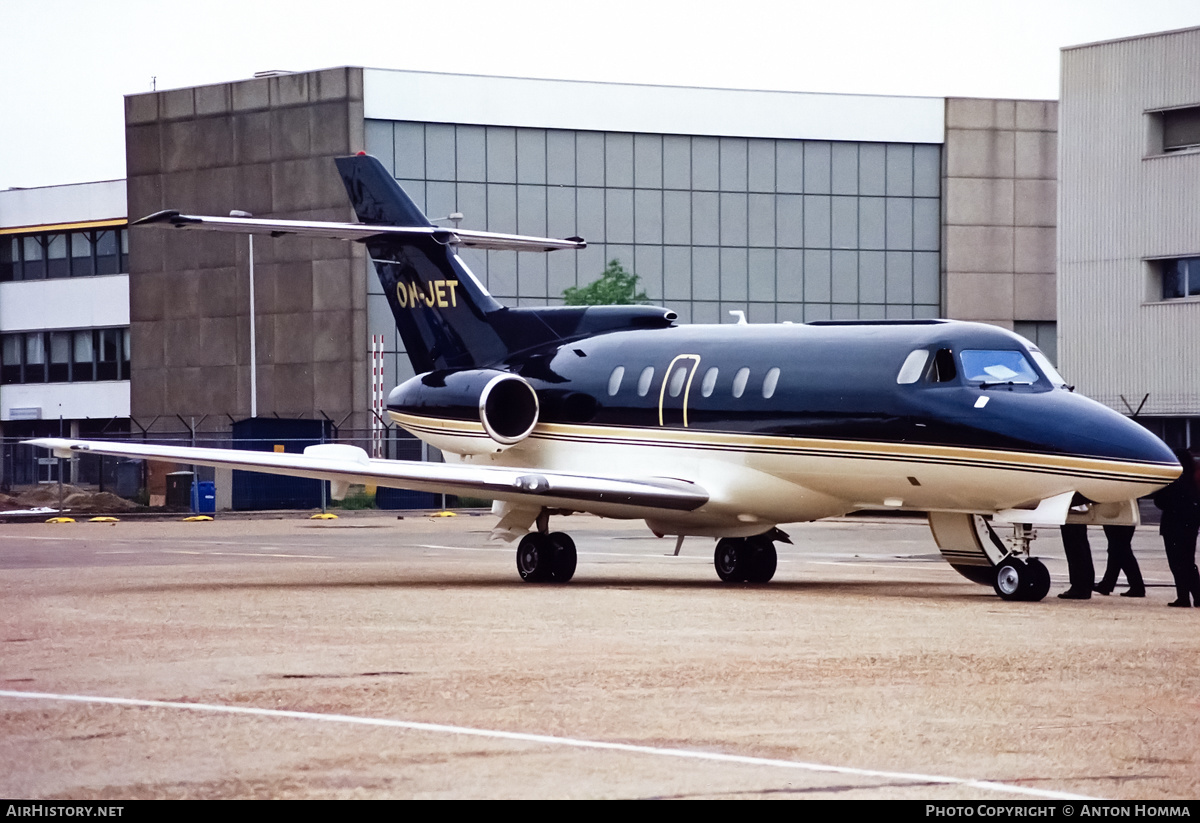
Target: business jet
724,431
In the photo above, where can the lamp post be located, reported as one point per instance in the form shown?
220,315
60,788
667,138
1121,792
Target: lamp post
253,342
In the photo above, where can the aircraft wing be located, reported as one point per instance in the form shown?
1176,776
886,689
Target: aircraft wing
359,231
345,464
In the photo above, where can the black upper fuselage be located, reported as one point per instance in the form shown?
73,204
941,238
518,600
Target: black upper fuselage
829,381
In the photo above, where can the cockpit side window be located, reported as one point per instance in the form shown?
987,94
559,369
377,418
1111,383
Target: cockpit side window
1047,367
942,369
997,367
914,366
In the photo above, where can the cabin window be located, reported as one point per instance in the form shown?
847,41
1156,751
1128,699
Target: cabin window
942,370
991,367
677,378
914,366
709,383
739,381
644,381
769,383
614,380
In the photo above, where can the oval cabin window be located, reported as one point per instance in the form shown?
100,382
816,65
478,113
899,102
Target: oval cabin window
614,380
644,381
677,378
769,383
739,381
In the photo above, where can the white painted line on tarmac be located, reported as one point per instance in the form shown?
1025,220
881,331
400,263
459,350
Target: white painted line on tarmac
249,554
550,740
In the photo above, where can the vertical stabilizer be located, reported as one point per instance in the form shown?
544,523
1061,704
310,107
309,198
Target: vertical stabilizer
441,310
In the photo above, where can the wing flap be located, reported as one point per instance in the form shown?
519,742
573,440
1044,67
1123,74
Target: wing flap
358,231
595,493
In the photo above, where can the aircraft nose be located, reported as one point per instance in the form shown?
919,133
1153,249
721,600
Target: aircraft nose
1129,440
1062,422
1093,430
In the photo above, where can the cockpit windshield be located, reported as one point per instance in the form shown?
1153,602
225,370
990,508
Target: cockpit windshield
1047,367
987,367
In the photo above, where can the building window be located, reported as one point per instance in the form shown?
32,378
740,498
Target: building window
76,356
1181,129
1174,130
1180,277
50,255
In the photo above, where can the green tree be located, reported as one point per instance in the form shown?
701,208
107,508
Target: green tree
616,287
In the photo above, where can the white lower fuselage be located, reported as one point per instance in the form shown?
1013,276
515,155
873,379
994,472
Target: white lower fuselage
755,482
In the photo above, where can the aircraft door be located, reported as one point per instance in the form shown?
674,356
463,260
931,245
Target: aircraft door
676,389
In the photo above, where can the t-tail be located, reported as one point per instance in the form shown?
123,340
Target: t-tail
441,310
445,316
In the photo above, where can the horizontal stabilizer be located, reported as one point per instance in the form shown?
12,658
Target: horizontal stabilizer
360,232
577,492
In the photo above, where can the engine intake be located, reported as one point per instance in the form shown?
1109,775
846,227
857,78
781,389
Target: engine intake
503,403
508,409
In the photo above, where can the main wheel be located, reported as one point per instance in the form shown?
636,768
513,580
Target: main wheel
535,557
1037,580
565,558
730,559
762,562
1011,581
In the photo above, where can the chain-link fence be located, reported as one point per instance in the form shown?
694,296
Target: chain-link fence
23,467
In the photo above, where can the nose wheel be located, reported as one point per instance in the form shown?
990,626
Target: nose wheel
1018,579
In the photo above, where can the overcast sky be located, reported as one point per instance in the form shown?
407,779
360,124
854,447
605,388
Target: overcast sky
65,65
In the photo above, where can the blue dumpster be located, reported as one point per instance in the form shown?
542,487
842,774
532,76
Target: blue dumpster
204,497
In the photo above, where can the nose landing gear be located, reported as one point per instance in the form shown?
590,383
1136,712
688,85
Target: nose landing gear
976,551
1018,579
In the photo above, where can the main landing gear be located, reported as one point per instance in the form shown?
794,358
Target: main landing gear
746,559
546,558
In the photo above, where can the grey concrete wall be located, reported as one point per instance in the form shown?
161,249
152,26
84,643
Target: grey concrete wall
264,146
998,220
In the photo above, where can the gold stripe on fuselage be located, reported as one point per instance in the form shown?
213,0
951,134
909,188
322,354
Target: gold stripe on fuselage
734,442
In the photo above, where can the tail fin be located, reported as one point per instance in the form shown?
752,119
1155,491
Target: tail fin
441,310
445,316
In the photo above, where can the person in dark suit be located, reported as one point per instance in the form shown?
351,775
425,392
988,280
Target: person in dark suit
1080,569
1180,504
1121,559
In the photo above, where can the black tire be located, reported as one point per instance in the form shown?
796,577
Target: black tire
730,559
1037,583
1011,580
535,558
763,561
565,558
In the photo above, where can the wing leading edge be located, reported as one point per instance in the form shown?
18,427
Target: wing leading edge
360,232
342,464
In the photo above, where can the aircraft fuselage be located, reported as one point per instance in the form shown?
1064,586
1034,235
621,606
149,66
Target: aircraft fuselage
786,423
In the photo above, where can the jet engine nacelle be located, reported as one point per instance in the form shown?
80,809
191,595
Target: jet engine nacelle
502,403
